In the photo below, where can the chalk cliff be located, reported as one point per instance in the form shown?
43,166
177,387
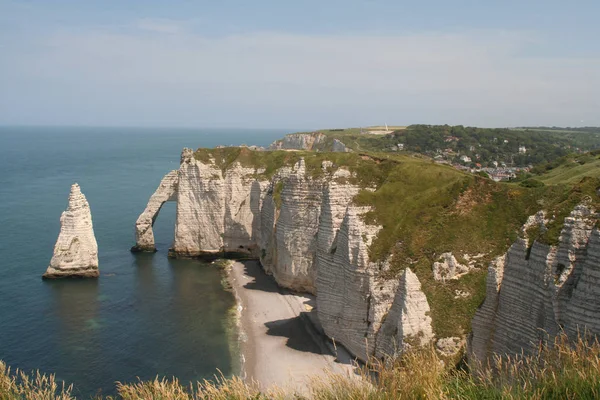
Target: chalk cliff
352,297
307,233
534,291
315,141
408,322
217,210
76,250
166,191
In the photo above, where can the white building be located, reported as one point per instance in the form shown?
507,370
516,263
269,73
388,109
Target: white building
465,159
522,149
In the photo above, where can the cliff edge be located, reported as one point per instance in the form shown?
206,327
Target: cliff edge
393,246
536,290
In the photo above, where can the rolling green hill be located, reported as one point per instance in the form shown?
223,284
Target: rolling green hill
482,145
571,169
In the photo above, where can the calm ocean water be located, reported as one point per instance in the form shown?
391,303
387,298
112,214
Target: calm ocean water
147,315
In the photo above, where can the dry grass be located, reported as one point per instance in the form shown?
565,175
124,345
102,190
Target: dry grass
170,389
37,386
419,374
562,370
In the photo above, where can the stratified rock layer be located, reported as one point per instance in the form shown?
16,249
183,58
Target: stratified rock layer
352,298
76,250
299,141
533,292
217,210
307,234
295,230
408,322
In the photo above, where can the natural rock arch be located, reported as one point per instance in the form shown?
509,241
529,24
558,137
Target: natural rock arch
166,191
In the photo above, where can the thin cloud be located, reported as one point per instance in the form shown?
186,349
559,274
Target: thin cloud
164,72
160,25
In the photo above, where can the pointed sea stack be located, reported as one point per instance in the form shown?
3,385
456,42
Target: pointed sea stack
76,250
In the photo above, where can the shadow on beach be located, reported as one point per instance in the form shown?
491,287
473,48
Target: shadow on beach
303,331
262,281
295,330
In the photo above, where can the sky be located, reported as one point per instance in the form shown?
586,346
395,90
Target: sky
304,64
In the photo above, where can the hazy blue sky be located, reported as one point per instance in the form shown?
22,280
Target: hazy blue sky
299,64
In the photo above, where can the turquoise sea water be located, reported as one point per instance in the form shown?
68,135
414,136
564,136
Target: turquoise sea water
146,315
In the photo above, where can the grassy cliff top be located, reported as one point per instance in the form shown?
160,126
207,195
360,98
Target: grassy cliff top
426,209
370,169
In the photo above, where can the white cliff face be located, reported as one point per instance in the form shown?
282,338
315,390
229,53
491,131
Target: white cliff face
76,250
243,195
583,308
408,322
484,322
352,297
166,191
307,234
532,293
200,215
339,146
216,211
298,141
315,141
295,230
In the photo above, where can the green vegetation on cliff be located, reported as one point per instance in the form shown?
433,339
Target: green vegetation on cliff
482,145
570,169
426,209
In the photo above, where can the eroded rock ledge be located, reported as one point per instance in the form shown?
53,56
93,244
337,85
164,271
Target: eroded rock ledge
76,250
307,233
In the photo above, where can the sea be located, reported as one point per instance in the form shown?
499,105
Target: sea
147,315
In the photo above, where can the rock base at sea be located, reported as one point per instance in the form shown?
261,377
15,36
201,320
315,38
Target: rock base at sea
58,274
76,250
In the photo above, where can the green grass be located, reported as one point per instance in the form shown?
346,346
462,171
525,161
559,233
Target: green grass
572,170
277,194
367,170
570,181
426,209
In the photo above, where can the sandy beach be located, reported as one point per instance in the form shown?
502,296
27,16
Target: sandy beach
281,344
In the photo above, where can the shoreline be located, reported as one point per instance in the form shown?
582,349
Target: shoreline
281,344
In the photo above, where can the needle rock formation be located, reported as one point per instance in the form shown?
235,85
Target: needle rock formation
76,250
